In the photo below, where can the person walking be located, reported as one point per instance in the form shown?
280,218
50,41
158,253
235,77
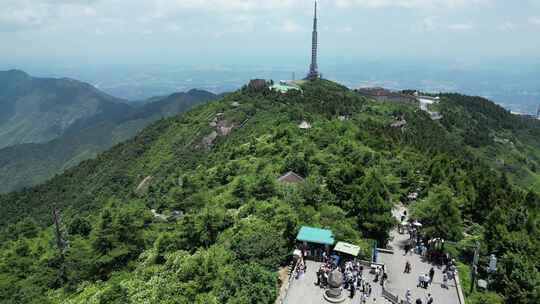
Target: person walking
431,275
444,281
407,267
408,296
426,281
369,290
384,278
429,299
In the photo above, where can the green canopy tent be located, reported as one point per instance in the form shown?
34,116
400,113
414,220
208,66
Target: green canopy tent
347,248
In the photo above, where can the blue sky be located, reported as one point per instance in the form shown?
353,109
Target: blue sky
266,33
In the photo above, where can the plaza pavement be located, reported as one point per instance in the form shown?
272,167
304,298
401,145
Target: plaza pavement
399,282
304,290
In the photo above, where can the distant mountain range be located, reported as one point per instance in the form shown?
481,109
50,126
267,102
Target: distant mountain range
35,110
48,125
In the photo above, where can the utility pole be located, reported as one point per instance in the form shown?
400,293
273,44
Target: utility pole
375,253
474,269
60,242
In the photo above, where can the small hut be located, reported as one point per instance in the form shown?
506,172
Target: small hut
291,178
314,241
347,251
304,125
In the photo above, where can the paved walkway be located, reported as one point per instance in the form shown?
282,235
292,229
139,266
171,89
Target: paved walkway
399,282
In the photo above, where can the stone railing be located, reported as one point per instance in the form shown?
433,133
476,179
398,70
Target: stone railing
284,290
390,296
458,287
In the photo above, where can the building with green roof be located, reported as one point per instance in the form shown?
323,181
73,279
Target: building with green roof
315,235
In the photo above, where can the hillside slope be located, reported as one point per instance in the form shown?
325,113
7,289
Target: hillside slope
30,164
35,110
218,165
510,143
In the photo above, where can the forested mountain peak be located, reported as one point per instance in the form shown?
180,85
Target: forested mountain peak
28,164
34,110
191,211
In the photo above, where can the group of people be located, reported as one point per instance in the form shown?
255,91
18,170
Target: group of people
424,280
409,300
353,279
430,250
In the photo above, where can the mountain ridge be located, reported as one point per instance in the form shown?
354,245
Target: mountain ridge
28,164
41,109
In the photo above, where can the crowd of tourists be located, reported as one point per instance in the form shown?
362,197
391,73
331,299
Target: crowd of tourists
431,250
354,280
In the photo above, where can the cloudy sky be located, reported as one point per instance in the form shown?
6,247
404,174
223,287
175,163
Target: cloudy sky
265,32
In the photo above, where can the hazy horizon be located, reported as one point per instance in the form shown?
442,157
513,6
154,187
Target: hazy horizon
137,49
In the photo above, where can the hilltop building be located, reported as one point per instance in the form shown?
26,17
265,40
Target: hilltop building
285,86
382,94
314,68
258,84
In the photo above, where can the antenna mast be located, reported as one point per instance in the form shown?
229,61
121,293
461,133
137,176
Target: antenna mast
314,68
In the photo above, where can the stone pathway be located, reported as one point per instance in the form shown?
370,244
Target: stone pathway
399,282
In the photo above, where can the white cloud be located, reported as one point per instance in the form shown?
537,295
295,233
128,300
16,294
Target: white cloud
173,27
460,27
507,27
166,7
410,3
535,21
345,29
429,23
290,26
241,24
25,14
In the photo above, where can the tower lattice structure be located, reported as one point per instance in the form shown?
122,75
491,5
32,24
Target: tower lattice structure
314,68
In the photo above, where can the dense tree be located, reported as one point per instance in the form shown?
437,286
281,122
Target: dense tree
439,213
253,241
79,226
372,207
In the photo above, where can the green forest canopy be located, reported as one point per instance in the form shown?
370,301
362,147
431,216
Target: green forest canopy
239,223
